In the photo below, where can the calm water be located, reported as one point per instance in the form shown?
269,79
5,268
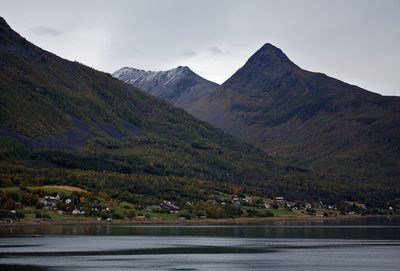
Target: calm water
365,244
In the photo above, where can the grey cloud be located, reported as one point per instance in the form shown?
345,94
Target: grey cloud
215,50
46,31
190,53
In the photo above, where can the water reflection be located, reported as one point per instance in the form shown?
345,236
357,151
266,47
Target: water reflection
367,228
366,244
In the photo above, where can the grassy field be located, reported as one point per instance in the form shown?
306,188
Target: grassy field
63,188
162,216
29,212
69,217
284,212
12,188
66,189
58,189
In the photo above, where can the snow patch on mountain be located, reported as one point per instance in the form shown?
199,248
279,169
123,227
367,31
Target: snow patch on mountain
180,86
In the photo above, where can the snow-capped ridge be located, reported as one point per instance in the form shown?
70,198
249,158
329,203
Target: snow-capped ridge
179,85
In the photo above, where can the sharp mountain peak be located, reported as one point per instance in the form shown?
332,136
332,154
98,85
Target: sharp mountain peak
270,55
269,61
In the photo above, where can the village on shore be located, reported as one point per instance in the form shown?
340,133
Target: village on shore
65,203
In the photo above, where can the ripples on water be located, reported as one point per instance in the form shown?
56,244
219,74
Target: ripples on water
347,245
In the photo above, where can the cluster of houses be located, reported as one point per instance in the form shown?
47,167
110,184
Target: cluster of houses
167,206
52,201
70,205
235,200
281,202
238,201
276,202
164,206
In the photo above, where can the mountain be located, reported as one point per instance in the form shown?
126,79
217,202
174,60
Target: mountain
308,119
57,116
180,86
63,123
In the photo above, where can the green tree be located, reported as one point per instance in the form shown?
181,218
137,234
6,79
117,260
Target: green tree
10,204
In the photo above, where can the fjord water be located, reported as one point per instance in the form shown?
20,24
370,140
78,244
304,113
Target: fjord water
362,244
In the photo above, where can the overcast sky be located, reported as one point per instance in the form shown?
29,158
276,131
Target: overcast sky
355,41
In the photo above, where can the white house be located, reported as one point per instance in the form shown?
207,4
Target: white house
247,200
76,212
280,200
50,201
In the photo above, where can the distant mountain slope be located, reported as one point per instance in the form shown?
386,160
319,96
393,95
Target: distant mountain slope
72,116
179,86
308,118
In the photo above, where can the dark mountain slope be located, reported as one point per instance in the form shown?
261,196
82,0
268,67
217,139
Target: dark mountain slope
180,86
69,115
308,118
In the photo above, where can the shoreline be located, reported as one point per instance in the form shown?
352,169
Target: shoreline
192,222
